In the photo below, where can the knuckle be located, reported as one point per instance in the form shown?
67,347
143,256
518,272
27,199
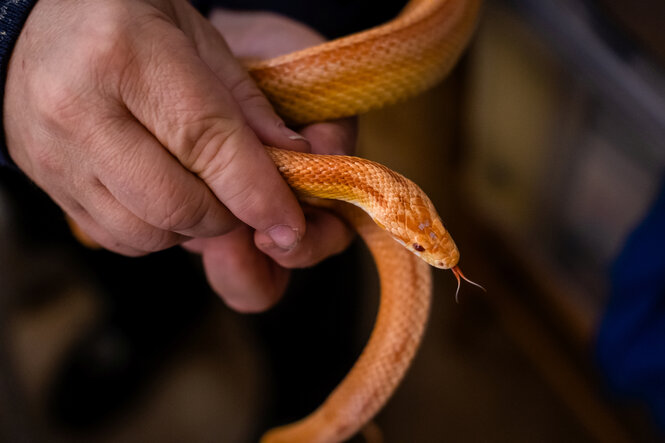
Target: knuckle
65,101
138,235
184,215
106,26
85,60
208,147
59,108
45,161
171,205
218,163
109,31
245,90
158,240
254,104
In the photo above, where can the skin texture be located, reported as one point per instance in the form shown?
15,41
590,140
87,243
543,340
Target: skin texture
137,119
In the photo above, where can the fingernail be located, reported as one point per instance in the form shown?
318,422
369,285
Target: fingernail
291,134
284,236
297,137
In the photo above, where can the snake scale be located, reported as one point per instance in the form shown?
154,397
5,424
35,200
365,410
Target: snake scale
346,77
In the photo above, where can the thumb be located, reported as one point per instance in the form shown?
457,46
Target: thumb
257,110
194,115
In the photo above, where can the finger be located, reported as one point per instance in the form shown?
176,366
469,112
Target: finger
195,245
149,182
245,32
122,230
246,279
334,137
326,235
201,124
82,219
256,108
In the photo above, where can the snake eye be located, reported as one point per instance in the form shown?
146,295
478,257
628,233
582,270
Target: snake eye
418,247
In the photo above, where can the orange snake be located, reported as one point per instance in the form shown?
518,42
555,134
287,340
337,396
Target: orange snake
341,78
346,77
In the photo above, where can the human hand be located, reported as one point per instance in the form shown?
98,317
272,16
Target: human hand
136,119
245,268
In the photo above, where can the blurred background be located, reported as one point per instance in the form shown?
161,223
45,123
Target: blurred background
543,152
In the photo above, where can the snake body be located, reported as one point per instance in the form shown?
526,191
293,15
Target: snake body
346,77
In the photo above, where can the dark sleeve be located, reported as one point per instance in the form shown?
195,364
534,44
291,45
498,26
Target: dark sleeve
13,14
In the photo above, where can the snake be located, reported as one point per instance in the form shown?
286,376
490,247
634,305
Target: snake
345,77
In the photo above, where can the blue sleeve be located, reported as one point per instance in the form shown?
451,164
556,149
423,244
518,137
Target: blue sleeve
13,14
630,347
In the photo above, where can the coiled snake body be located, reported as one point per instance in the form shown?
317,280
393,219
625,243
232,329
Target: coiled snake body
346,77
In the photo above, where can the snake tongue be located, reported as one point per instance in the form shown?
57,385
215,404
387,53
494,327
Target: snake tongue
459,275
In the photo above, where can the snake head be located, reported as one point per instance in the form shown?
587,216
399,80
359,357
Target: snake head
427,237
